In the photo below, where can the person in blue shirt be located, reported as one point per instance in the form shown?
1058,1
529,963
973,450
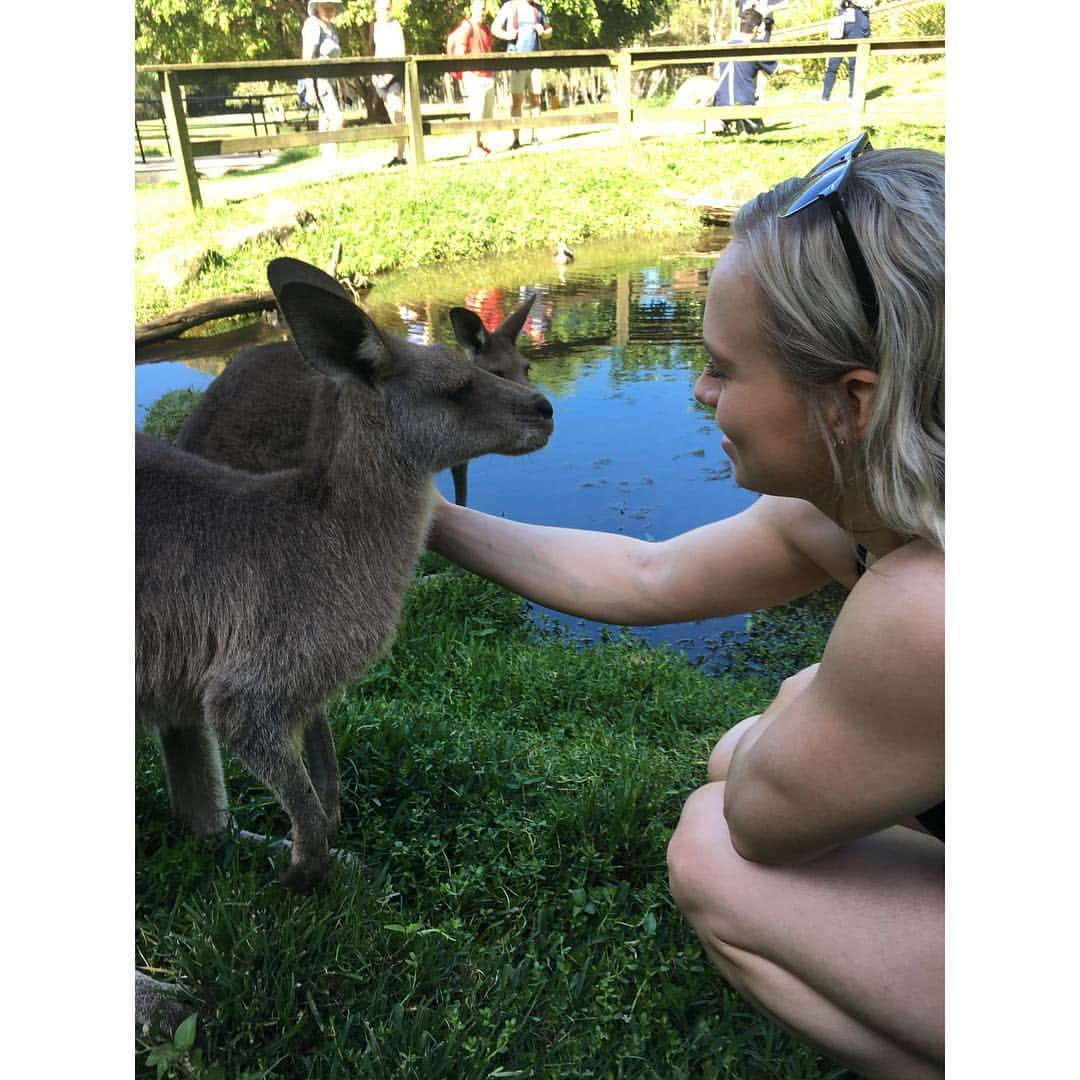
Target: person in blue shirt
852,20
738,78
522,24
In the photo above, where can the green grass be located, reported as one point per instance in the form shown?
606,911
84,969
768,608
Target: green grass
166,416
510,796
449,212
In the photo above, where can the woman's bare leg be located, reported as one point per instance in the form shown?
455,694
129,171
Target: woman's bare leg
720,758
847,950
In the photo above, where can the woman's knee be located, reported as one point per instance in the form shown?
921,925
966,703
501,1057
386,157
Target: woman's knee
720,758
696,852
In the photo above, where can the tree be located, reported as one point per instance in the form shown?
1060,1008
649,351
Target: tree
205,31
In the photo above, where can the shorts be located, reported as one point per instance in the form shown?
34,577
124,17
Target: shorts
387,84
479,91
517,81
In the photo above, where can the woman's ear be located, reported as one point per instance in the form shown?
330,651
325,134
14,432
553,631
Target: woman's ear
858,389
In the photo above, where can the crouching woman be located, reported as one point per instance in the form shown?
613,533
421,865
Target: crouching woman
811,865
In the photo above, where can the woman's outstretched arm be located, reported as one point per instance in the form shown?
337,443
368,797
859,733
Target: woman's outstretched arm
776,550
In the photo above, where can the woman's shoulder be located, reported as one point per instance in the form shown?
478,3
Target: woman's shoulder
813,534
913,573
892,626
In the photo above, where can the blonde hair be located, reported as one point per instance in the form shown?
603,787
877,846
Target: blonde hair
895,200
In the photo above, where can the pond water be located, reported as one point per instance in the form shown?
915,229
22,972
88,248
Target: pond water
614,340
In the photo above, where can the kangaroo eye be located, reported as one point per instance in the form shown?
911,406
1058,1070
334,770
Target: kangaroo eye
459,395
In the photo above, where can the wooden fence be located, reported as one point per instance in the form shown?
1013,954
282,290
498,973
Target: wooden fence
420,119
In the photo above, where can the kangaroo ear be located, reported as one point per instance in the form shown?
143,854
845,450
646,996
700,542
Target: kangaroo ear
511,326
333,335
469,330
281,271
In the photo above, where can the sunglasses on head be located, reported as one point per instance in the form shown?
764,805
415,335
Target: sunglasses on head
827,180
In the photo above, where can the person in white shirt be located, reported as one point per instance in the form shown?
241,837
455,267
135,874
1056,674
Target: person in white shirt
388,39
318,41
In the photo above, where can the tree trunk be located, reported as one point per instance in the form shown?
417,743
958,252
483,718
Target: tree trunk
219,307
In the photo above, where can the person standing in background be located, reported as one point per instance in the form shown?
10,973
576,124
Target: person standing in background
388,39
473,35
852,20
319,41
522,25
739,79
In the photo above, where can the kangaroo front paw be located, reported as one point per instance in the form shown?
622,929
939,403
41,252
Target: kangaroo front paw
304,875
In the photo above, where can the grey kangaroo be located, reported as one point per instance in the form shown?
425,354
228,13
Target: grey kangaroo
257,596
255,415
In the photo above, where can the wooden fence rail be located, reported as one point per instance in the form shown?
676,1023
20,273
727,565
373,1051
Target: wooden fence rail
410,70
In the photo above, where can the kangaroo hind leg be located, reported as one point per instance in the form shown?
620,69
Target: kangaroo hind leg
263,738
194,777
323,767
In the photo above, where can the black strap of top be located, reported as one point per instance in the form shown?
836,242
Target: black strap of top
861,553
933,820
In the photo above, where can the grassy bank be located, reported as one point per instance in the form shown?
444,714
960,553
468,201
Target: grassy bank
450,211
510,800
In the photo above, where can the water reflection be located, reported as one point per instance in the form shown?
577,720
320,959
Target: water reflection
615,344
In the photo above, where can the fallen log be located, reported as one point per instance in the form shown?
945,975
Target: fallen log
211,348
219,307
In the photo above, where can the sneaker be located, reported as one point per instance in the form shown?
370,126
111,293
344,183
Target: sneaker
515,145
395,161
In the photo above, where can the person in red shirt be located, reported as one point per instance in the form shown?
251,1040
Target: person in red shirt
473,35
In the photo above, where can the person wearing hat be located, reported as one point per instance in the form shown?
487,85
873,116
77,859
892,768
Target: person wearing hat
319,41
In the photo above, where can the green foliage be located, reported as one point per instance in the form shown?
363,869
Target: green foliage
166,416
204,31
510,796
924,20
181,1057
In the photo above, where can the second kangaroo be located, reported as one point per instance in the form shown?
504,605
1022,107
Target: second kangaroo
258,596
256,414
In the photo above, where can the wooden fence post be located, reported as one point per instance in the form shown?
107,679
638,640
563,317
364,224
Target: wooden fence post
858,92
412,113
625,84
176,126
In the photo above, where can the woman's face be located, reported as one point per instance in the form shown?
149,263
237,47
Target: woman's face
770,433
326,12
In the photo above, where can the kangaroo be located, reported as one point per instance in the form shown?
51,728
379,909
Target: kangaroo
259,595
255,414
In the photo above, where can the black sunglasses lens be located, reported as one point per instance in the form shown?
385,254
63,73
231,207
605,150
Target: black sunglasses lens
851,149
819,187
